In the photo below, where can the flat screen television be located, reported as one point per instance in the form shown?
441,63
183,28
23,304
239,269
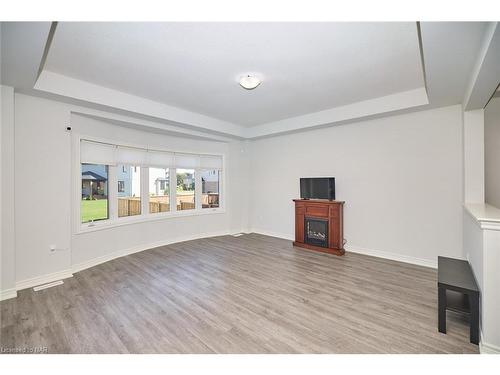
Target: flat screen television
317,188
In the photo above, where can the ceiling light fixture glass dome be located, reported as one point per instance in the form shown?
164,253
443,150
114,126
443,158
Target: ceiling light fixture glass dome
249,82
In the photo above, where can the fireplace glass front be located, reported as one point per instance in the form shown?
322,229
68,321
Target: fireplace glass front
316,232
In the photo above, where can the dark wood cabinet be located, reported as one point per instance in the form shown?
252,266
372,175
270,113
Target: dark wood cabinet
319,225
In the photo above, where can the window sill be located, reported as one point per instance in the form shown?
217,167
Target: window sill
109,224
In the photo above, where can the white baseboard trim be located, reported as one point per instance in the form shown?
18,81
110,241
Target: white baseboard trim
364,251
136,249
44,279
273,234
8,294
485,348
392,256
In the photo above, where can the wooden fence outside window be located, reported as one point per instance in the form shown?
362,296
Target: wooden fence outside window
130,206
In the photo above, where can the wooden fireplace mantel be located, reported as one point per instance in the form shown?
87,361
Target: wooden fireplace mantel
333,211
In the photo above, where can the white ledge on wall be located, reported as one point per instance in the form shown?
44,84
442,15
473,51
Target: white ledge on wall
109,224
482,248
487,216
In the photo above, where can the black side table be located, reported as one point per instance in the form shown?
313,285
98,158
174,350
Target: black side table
458,291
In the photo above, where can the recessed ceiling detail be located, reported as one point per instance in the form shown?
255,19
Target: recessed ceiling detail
185,75
309,67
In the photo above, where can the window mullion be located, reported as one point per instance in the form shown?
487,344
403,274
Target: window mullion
221,190
145,190
197,189
172,176
113,192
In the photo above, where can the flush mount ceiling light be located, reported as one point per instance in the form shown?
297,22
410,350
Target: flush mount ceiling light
249,82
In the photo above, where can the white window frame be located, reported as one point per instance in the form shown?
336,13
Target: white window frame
220,187
145,216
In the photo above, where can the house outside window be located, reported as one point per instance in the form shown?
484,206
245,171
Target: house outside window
94,193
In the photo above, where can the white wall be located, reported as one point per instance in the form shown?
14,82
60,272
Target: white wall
239,171
492,152
42,165
7,279
43,194
1,190
401,178
473,156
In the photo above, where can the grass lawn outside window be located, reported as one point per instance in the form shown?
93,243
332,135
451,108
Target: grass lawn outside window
93,210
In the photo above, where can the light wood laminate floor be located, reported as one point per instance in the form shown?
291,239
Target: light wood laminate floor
249,294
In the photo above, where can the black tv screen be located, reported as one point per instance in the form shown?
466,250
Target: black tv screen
317,188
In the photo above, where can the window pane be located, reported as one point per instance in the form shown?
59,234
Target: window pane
185,189
159,190
210,181
94,203
129,195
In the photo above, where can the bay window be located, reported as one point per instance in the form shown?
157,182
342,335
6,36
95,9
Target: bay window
145,184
